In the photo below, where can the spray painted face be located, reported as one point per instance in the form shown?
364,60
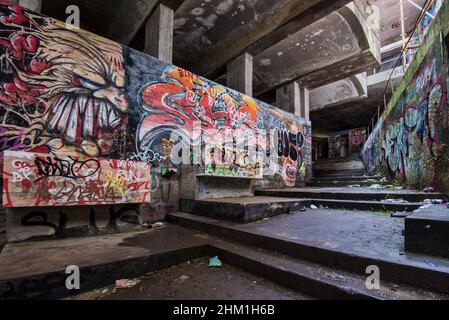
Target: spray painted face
75,77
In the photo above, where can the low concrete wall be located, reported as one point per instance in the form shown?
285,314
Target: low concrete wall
410,143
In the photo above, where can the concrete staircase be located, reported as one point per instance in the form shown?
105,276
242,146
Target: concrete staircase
314,270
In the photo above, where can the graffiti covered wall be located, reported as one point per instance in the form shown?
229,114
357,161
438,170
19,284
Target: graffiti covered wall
39,180
357,138
410,142
72,93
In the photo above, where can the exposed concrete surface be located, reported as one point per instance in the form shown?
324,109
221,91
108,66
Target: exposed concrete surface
21,259
427,231
195,280
358,233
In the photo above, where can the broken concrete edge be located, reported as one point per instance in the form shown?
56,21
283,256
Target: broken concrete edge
430,278
426,232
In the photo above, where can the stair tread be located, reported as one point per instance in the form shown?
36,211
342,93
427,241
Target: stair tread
349,282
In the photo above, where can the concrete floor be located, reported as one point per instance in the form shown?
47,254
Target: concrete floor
21,259
365,233
196,279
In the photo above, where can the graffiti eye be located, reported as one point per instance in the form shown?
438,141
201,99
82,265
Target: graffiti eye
90,84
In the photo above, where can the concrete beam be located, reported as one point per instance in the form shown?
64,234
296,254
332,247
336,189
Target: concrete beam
33,5
257,37
240,74
159,34
132,15
294,99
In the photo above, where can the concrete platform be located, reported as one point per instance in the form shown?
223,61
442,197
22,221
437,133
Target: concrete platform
357,194
36,269
427,231
243,209
345,240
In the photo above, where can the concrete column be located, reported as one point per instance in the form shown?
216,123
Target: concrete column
240,74
33,5
159,34
294,99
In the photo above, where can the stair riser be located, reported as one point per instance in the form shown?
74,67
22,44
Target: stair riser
307,285
350,196
390,271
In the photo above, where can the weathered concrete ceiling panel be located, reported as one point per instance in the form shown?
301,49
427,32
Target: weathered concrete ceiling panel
339,92
321,44
208,34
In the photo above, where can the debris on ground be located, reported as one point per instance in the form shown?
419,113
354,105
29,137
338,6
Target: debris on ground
400,214
303,209
314,207
394,287
182,278
430,263
157,225
438,201
376,186
126,283
371,180
429,190
424,207
394,201
215,262
354,186
335,276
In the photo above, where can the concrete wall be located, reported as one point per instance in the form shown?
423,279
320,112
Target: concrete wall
410,142
74,93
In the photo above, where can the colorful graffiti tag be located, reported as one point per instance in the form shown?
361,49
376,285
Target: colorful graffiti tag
36,180
192,111
357,139
410,139
72,93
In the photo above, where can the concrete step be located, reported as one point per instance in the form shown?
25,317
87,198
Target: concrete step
347,178
343,183
356,194
427,231
313,279
339,173
242,210
418,275
365,205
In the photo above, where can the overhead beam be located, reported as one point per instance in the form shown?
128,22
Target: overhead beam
275,27
132,15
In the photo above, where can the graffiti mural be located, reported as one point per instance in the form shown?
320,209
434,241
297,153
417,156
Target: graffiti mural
70,93
31,179
410,142
357,139
227,128
61,91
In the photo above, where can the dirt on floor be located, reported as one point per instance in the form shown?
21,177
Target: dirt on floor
195,280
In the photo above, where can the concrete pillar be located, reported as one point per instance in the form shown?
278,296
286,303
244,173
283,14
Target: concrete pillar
159,34
33,5
239,75
294,99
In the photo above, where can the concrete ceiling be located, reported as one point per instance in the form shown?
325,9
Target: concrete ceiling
390,18
348,115
317,46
